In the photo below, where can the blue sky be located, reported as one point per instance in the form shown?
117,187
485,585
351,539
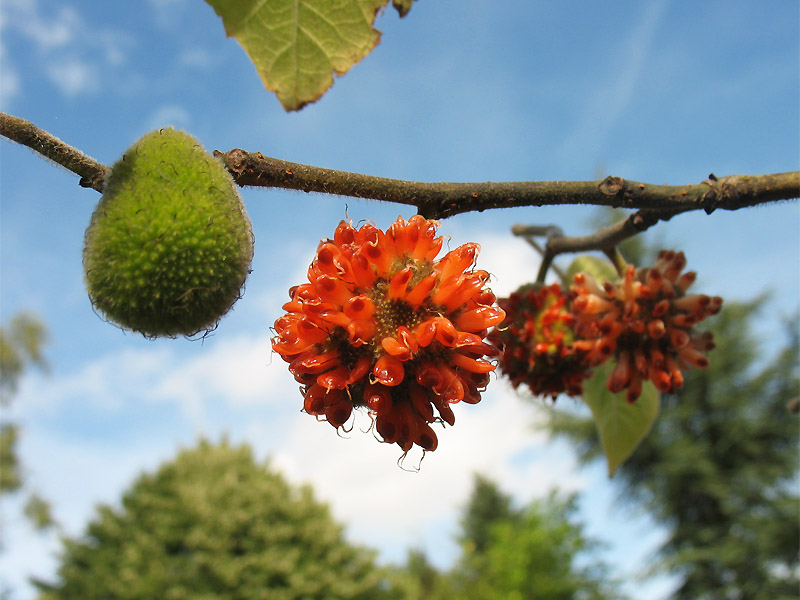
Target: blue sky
662,92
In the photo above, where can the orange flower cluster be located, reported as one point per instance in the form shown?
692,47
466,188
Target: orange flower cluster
646,322
537,340
382,324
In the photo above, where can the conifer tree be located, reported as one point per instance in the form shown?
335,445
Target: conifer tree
215,524
538,551
719,470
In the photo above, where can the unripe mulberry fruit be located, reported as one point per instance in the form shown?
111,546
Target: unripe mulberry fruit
169,245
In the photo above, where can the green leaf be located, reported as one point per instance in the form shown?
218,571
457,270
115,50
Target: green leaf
621,425
297,45
599,268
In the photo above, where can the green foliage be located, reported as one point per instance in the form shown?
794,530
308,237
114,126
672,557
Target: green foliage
10,476
418,579
214,524
620,424
534,557
297,45
37,509
719,469
487,505
535,552
169,245
21,343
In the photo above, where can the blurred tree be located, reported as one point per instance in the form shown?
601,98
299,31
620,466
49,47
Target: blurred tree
214,524
418,579
21,344
487,506
719,470
515,554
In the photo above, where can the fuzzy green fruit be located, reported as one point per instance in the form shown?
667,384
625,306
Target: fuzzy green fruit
169,245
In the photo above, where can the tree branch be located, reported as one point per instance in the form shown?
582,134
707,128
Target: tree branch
92,173
605,239
441,200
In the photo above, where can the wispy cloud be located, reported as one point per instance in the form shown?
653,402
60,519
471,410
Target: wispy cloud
70,54
616,88
73,77
9,78
46,31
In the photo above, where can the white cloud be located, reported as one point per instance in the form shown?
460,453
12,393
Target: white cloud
241,371
390,508
73,77
196,58
47,31
72,55
9,80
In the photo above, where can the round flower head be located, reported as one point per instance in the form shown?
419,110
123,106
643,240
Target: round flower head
383,324
537,342
646,322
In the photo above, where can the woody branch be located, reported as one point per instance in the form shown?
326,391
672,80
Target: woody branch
441,200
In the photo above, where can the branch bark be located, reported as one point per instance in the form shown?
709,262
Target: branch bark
92,173
441,200
606,239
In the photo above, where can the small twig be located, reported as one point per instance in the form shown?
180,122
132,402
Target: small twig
527,232
607,238
92,173
616,258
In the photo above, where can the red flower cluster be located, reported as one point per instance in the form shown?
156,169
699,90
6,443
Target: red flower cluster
537,340
646,322
382,324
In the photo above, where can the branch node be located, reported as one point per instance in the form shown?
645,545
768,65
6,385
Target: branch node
236,160
612,186
711,198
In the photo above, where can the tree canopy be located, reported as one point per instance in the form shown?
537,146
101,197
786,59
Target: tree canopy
214,523
508,553
719,470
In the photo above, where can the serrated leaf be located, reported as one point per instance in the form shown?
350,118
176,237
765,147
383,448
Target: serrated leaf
297,45
599,268
621,425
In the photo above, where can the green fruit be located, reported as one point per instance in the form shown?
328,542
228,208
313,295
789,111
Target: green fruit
169,245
